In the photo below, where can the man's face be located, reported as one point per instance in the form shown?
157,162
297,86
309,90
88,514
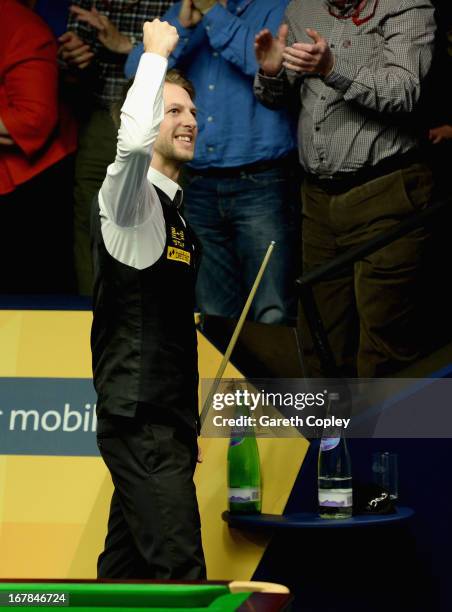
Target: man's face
178,130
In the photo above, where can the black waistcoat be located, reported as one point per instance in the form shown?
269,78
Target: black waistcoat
143,337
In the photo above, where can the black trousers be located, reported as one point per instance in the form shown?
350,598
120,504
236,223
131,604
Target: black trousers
154,528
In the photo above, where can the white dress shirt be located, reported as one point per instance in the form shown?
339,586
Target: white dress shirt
132,221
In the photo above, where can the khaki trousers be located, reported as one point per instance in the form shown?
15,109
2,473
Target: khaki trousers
371,313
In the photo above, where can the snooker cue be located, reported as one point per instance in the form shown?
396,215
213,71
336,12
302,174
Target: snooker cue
244,586
235,335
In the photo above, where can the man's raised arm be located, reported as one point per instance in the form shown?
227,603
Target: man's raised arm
126,195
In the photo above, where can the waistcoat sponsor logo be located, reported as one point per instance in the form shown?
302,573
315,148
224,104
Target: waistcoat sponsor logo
179,255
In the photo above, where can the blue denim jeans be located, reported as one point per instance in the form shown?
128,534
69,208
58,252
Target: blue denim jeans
235,219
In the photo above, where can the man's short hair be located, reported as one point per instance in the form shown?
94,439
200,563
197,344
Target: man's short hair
172,76
177,78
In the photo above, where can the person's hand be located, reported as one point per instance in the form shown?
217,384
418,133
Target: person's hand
6,141
438,134
159,37
74,51
107,32
189,16
269,51
204,6
313,58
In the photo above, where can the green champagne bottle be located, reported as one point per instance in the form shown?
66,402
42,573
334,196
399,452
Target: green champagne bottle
244,474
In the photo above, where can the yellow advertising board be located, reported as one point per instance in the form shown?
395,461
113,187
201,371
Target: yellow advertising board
54,488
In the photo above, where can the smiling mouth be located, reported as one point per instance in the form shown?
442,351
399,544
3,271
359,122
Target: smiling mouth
188,139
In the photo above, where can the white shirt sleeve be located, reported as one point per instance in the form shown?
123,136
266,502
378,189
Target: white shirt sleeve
133,226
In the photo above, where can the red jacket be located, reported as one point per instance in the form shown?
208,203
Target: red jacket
29,108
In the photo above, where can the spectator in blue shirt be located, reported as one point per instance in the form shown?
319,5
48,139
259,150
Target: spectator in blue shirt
241,189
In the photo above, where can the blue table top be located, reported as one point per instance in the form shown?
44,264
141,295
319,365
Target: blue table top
311,520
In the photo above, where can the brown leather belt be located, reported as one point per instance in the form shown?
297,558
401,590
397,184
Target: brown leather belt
345,181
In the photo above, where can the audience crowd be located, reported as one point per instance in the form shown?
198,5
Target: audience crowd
317,121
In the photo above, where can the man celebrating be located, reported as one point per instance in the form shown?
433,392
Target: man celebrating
357,68
143,336
93,52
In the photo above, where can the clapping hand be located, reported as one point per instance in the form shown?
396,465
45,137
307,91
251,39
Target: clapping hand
189,16
107,32
269,50
313,58
74,51
204,6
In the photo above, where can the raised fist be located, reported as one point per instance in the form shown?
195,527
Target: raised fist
159,37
